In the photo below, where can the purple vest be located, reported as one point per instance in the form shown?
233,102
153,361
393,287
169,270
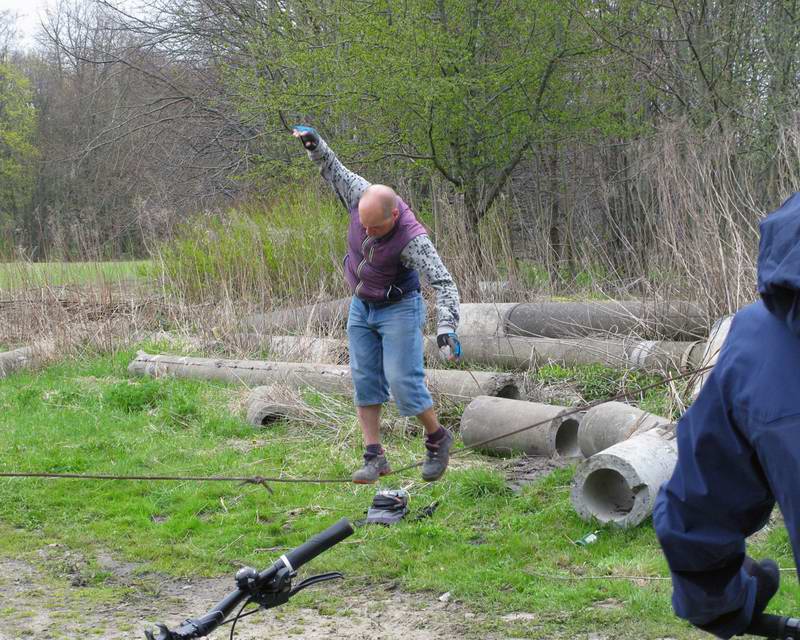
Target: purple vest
372,266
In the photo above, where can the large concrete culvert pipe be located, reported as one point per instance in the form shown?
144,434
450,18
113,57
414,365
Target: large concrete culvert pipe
716,340
530,353
606,424
465,385
319,350
322,317
679,321
619,485
303,349
335,379
489,417
26,357
270,403
483,319
554,319
16,359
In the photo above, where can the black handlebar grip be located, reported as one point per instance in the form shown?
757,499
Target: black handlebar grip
769,626
319,543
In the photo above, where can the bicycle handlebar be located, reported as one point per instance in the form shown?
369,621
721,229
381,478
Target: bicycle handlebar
274,582
318,544
779,627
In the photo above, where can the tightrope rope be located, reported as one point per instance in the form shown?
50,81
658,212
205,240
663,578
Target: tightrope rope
265,482
568,412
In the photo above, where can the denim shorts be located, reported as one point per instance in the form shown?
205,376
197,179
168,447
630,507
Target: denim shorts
386,350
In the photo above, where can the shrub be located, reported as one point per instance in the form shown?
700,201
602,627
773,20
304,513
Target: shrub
289,248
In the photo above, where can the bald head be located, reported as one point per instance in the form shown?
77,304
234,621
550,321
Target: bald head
378,210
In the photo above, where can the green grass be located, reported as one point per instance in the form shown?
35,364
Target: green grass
493,551
21,275
598,382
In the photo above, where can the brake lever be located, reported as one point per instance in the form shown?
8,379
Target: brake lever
322,577
187,630
163,633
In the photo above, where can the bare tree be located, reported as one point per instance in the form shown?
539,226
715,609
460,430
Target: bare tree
135,129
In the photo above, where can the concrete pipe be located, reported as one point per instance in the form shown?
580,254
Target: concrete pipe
324,378
26,357
549,319
333,379
530,353
619,485
16,359
305,349
554,434
611,422
270,403
483,319
716,339
680,320
320,317
465,385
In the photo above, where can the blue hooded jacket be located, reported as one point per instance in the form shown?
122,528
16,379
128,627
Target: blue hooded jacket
739,445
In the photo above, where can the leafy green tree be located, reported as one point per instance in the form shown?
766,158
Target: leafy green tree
467,87
17,149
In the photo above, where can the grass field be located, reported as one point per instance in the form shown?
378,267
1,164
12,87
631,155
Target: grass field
23,275
493,551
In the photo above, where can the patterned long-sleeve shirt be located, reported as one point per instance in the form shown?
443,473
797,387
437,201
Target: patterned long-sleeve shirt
419,254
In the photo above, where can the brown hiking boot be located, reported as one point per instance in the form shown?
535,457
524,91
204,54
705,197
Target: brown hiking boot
374,467
437,459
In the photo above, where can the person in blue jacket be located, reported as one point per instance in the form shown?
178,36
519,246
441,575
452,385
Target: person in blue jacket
739,450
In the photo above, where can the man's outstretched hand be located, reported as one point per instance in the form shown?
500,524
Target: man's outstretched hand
308,136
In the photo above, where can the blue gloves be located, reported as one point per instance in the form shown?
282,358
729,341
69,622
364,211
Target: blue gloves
767,577
449,346
308,136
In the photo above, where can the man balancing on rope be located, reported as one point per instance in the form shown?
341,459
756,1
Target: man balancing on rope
739,450
386,250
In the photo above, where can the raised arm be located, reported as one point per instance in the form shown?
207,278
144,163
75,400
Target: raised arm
349,186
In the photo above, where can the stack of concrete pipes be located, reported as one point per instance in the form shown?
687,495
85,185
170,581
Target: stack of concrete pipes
325,378
547,319
521,335
524,335
511,351
628,453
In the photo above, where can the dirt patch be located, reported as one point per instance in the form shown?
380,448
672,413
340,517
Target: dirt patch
527,469
46,605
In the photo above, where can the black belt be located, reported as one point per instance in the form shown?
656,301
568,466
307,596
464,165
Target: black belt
380,304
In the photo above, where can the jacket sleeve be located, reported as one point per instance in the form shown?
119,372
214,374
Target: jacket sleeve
421,255
349,186
717,496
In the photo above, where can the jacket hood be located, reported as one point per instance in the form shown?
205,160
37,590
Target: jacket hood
779,263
